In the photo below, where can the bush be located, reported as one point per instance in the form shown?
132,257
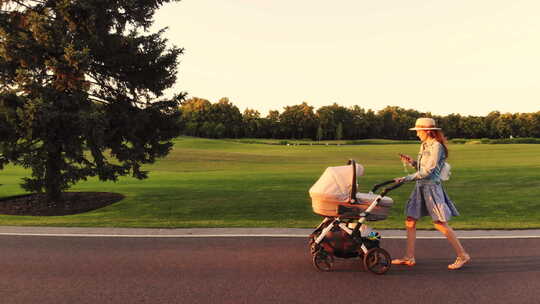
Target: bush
458,141
519,140
485,140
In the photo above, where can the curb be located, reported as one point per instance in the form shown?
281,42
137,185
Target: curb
243,232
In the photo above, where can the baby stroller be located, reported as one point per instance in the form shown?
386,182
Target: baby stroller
342,233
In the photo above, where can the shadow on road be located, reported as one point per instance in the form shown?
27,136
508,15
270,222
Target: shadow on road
479,265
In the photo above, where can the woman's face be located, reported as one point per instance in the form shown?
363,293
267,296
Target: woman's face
422,134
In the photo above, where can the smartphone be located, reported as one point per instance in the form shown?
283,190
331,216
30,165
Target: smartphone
405,157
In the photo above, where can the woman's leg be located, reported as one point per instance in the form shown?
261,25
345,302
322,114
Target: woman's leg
462,256
410,224
451,236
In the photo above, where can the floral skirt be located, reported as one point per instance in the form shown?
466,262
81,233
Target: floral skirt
430,199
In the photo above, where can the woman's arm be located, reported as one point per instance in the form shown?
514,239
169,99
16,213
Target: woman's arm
429,163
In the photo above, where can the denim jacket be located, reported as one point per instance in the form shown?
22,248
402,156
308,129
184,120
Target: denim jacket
429,163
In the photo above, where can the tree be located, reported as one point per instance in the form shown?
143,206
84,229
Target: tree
228,115
490,124
195,112
472,127
339,131
299,121
80,80
452,125
320,133
535,125
252,122
396,122
374,128
273,123
207,129
531,122
331,116
219,130
506,125
359,125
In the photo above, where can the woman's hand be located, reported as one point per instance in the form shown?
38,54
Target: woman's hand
406,158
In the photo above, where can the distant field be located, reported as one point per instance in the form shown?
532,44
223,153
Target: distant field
310,142
220,183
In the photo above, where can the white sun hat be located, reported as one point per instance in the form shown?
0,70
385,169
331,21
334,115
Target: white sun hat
425,123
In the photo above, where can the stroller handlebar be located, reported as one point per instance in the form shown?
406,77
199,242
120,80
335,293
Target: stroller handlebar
377,186
397,185
388,189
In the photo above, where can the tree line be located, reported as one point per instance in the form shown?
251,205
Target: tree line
222,119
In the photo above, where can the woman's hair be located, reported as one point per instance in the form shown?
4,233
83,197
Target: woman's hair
438,135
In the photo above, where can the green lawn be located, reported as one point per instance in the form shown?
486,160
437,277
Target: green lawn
215,183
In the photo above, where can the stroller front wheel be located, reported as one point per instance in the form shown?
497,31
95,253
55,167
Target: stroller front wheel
377,261
323,261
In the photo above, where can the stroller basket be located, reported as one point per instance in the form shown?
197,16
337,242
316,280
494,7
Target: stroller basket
353,212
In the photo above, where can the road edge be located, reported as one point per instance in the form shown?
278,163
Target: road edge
242,232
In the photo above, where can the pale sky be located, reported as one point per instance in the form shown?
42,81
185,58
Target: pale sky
460,56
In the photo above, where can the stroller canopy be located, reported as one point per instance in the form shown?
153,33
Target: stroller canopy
335,184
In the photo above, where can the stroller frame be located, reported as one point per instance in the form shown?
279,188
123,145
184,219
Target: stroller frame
375,259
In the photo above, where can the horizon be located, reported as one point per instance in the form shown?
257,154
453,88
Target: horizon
366,109
444,58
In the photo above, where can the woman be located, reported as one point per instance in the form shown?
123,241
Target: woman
429,197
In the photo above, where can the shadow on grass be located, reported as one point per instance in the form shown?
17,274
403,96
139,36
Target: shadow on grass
35,204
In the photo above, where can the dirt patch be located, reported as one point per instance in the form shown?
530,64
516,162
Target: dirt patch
71,203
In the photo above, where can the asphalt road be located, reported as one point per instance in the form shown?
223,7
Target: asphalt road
45,269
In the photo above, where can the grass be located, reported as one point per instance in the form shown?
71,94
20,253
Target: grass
220,183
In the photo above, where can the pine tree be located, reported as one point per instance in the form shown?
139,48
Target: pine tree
81,86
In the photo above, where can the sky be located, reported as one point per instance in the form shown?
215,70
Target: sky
438,56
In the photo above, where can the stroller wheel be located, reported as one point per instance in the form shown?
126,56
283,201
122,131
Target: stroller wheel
314,247
377,260
311,240
323,261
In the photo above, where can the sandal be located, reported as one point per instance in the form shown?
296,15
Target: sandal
460,261
407,261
